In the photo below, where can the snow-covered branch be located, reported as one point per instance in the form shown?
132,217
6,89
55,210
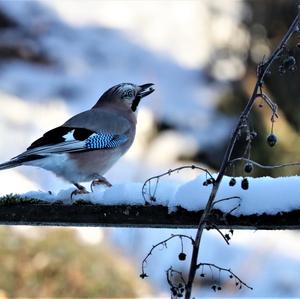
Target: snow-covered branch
268,203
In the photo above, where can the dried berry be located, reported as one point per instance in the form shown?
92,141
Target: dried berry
152,198
143,275
281,70
202,275
214,287
245,184
219,288
248,167
174,291
182,256
289,63
271,140
232,182
253,135
208,182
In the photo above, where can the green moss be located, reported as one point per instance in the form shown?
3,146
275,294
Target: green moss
82,202
11,199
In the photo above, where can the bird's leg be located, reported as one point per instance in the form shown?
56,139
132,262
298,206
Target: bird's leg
100,181
80,190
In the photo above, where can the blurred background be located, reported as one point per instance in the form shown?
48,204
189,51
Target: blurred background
58,57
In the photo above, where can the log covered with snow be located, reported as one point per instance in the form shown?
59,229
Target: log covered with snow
136,216
267,204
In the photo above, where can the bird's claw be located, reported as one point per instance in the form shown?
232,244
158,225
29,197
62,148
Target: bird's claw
79,191
100,181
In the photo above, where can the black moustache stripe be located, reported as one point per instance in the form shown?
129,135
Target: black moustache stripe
135,103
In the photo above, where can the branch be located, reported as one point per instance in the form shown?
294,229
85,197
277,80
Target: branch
238,282
177,289
164,244
265,166
261,72
219,231
151,194
30,213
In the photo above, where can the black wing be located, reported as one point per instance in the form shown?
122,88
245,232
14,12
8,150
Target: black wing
58,134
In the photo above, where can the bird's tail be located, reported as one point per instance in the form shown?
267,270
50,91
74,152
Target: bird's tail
10,164
19,160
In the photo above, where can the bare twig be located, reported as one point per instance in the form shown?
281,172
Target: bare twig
162,243
177,289
233,209
261,72
225,199
239,282
230,211
219,231
169,172
269,102
265,166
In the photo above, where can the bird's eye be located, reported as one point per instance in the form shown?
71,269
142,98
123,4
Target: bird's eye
130,93
127,94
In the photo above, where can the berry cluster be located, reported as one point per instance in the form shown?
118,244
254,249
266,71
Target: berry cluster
244,183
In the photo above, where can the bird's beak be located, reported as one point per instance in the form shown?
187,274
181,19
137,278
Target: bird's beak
145,90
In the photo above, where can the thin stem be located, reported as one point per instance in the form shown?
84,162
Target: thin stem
210,265
265,166
164,242
269,102
219,231
225,199
171,271
169,172
261,72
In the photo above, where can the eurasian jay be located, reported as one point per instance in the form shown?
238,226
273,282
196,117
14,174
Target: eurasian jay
89,143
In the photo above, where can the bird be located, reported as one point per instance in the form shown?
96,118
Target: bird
87,145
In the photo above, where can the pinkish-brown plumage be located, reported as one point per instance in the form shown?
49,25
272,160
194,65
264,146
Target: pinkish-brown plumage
89,143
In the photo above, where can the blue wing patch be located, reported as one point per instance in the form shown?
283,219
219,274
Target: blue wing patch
104,141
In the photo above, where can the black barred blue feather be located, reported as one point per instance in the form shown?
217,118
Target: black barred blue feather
104,141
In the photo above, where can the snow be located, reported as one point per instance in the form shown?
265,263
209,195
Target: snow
108,52
153,25
258,258
76,81
265,195
97,63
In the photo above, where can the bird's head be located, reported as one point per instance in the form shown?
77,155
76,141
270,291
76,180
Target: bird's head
128,94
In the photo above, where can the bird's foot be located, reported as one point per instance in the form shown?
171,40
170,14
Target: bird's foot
100,181
80,190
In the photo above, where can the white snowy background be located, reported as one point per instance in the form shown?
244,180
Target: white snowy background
95,45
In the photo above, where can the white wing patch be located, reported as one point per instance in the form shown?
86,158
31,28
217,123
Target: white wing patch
69,136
